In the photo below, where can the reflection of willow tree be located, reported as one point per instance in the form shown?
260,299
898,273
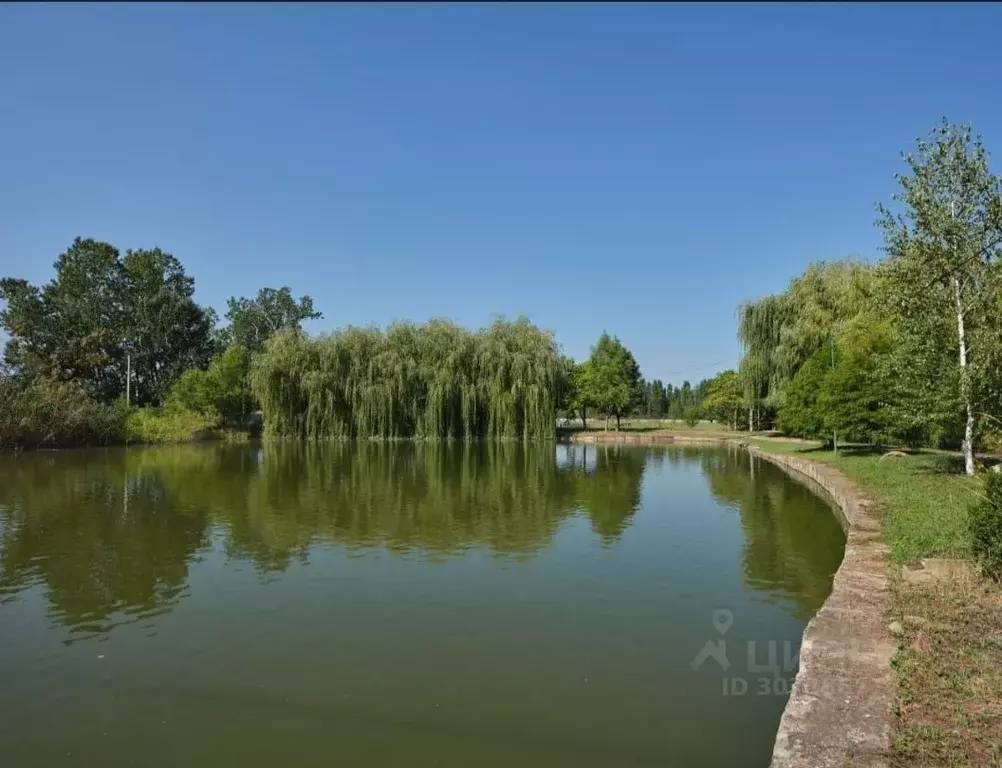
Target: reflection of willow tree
608,486
278,499
792,545
437,497
441,498
111,534
109,547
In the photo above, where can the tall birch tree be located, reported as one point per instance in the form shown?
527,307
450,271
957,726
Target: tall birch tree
941,274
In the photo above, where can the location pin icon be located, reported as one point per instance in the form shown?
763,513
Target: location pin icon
722,620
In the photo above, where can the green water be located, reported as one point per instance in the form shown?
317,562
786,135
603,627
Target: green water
402,605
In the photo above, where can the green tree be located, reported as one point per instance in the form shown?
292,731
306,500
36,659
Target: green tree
434,381
847,389
801,413
855,396
612,383
99,308
759,328
165,331
252,321
724,399
71,328
222,392
691,415
818,304
654,399
673,396
943,253
576,393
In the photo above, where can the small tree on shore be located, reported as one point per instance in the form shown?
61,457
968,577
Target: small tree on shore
612,379
724,399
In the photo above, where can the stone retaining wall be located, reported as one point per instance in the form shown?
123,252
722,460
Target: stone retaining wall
840,707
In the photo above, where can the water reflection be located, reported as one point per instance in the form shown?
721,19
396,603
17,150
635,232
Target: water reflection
110,548
608,486
791,545
110,535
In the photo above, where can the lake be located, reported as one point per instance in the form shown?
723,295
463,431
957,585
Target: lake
403,604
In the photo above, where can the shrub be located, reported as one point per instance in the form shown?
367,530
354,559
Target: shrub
691,415
172,425
195,392
54,414
985,526
221,391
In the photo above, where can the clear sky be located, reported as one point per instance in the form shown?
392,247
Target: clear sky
635,168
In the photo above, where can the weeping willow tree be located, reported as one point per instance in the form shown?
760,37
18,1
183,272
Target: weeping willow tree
759,327
781,332
820,303
433,381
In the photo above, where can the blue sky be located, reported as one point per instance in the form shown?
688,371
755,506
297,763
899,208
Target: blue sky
635,168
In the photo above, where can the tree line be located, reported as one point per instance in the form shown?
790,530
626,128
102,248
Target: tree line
904,350
115,347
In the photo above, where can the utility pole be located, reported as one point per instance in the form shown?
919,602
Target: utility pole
831,345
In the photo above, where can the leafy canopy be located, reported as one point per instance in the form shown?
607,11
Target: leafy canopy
252,321
99,308
612,378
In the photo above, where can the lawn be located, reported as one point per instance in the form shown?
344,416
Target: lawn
922,497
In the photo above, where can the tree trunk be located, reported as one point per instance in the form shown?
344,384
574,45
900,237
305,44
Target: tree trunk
617,422
965,382
751,416
584,417
607,422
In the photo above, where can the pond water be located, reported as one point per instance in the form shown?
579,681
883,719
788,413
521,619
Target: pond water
403,604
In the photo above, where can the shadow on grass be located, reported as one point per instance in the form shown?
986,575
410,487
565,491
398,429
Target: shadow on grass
950,464
943,465
845,450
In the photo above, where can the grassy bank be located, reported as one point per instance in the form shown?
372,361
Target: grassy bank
922,497
949,663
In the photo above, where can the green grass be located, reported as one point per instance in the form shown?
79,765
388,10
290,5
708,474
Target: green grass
922,497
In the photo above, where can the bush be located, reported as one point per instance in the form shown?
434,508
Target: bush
221,392
985,526
691,415
195,392
174,425
54,414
